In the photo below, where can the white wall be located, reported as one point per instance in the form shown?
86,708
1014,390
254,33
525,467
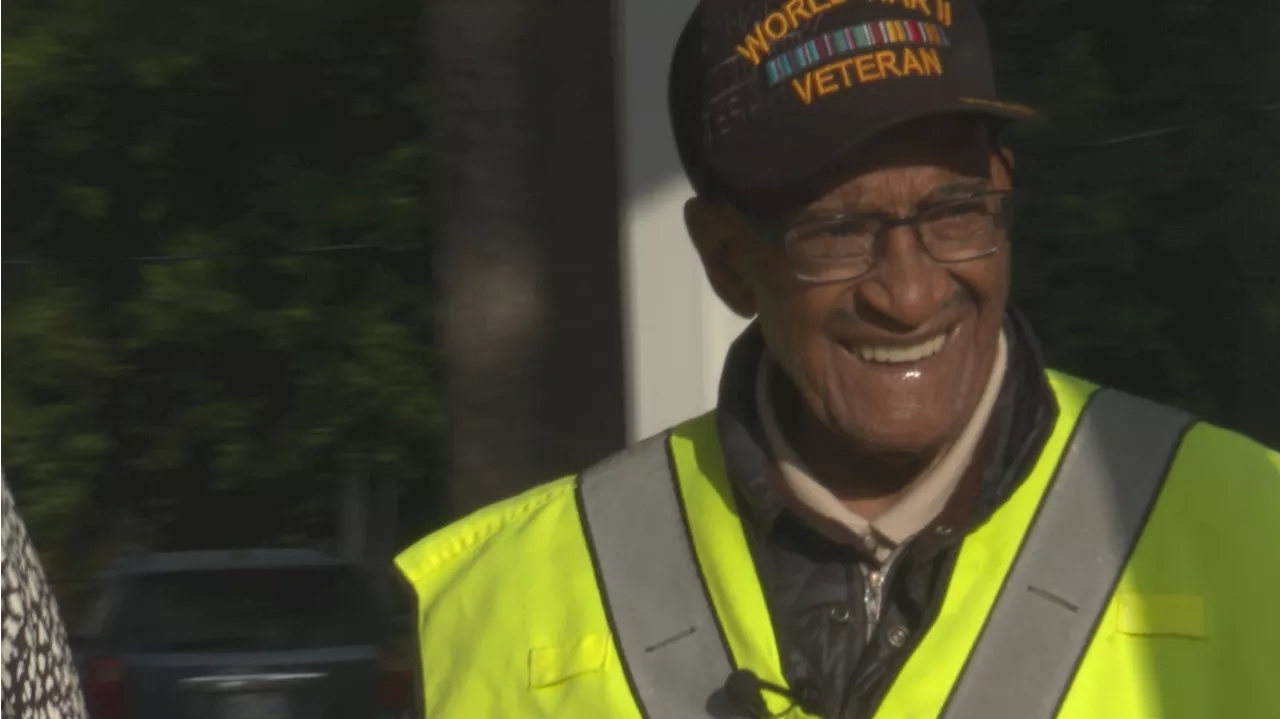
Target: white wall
676,329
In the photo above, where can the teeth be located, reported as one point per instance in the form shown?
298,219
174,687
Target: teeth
891,355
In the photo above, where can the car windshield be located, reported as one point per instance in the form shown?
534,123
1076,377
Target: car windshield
270,609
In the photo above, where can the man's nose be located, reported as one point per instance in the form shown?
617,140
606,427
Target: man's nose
907,287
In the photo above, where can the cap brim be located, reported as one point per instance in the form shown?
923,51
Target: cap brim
843,143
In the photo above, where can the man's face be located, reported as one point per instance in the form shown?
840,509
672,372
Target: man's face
856,349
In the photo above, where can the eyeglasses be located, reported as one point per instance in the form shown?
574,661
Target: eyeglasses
847,246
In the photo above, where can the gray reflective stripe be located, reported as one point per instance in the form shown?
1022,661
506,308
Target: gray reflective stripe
1070,561
667,635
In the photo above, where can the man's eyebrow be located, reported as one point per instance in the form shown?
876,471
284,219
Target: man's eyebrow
957,190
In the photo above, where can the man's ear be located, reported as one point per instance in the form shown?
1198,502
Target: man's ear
1003,164
723,244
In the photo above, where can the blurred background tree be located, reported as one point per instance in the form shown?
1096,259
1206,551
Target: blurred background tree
218,399
1148,232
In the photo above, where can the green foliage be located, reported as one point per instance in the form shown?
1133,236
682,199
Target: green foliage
221,400
1149,264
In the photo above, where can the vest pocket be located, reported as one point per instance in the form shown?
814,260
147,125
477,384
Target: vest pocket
554,664
1176,615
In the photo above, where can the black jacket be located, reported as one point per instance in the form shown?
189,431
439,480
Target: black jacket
815,588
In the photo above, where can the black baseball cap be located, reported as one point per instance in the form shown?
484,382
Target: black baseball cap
765,95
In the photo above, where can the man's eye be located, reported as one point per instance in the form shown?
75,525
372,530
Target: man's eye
836,239
962,209
844,227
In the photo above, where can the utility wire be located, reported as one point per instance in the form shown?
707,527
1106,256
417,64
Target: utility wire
1150,134
324,249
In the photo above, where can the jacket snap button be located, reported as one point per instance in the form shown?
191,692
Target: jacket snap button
897,636
840,615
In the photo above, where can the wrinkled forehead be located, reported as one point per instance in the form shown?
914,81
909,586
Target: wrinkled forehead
955,145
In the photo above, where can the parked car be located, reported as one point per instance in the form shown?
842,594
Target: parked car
240,634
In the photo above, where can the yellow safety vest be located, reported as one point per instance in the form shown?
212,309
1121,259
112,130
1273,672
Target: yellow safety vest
513,620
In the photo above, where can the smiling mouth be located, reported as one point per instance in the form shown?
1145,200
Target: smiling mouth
903,355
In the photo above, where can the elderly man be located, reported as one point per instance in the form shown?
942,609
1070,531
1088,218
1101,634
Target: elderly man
895,510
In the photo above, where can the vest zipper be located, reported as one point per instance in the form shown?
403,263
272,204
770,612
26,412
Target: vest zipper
899,658
873,590
875,583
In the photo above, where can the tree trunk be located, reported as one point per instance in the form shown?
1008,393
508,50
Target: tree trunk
525,201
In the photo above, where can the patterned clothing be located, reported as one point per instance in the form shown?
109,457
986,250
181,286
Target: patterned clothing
39,677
